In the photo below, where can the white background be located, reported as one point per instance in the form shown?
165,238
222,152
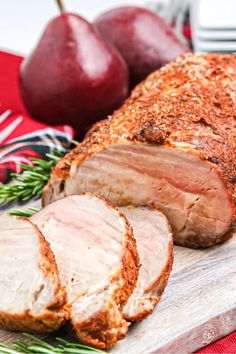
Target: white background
22,21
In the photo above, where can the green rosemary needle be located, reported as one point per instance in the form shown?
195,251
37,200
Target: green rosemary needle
37,345
27,213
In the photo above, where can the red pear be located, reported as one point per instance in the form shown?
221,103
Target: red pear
73,76
144,39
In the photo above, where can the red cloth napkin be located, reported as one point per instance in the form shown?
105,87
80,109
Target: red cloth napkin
23,142
225,345
31,138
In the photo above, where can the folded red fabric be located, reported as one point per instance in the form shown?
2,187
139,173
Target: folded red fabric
30,138
225,345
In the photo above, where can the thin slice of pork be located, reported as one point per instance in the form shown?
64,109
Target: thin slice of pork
155,247
32,298
98,263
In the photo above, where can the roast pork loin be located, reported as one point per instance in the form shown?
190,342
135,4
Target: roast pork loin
155,248
173,143
98,263
31,297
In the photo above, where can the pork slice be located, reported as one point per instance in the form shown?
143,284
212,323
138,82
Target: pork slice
32,298
155,247
98,263
172,143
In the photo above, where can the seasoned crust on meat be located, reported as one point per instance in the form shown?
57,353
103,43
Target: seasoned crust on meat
188,108
191,100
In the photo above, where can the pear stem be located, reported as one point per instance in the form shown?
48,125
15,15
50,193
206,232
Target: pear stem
60,6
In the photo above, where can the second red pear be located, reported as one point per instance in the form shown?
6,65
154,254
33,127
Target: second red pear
144,39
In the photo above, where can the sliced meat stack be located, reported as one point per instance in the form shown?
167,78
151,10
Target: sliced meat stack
96,254
172,144
32,298
97,263
155,248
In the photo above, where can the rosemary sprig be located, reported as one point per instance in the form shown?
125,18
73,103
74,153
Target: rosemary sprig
30,183
37,345
27,213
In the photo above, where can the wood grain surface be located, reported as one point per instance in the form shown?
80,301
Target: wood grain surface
197,308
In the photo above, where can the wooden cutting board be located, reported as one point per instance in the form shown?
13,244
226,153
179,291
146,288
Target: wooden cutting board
197,308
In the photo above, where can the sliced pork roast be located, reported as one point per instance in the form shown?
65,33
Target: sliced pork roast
155,248
98,263
31,297
173,143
